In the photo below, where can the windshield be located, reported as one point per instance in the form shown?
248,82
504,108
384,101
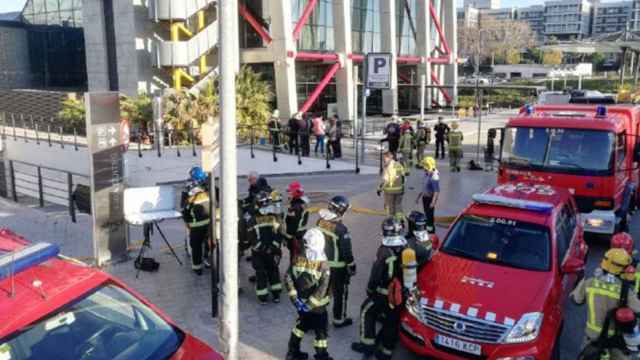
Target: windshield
500,241
107,324
585,152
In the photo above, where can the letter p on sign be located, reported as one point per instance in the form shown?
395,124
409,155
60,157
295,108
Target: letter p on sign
379,70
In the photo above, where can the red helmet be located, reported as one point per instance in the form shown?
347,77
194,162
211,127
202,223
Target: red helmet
622,241
295,189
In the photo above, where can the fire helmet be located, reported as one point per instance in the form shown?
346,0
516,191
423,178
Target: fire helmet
197,175
429,163
295,190
615,261
622,241
339,205
392,232
263,199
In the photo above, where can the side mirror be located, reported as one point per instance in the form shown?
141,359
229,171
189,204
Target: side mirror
572,266
435,242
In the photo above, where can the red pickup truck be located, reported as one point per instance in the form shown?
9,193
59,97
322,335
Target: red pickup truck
496,285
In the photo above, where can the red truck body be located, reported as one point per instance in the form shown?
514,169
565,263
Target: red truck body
472,307
571,146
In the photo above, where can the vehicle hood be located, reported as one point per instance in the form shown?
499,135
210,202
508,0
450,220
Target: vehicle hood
503,291
580,185
194,349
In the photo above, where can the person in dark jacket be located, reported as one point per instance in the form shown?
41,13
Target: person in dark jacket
304,126
392,135
307,283
294,144
296,219
442,131
266,235
340,255
274,129
338,144
257,184
386,268
196,215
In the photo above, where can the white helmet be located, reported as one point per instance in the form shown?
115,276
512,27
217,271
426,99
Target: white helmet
314,245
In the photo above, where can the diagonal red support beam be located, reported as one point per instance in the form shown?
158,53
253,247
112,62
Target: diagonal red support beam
308,9
404,78
321,86
436,81
255,24
436,22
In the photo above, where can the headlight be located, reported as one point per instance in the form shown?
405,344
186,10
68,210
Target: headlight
526,329
595,222
413,305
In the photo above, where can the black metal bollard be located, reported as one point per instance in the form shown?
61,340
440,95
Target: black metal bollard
299,148
49,134
193,142
13,125
35,128
40,188
61,139
72,205
12,176
75,138
139,143
253,156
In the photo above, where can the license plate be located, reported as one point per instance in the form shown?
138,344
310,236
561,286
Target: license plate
459,345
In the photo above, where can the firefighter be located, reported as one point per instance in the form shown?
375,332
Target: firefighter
266,234
430,192
406,149
385,269
196,215
392,185
624,241
340,255
392,135
603,293
455,138
442,130
296,218
276,205
423,138
307,282
418,238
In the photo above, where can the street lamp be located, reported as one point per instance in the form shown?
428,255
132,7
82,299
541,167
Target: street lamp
478,94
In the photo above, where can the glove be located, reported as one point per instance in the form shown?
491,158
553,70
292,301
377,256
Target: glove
379,192
351,269
301,306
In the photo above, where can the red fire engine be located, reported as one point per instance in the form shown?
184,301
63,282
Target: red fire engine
590,150
52,307
496,284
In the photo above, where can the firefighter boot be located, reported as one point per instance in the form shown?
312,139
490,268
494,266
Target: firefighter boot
322,354
361,348
294,352
383,354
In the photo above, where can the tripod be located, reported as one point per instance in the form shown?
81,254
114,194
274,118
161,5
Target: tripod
147,230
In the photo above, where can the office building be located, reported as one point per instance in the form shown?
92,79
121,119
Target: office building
611,17
534,16
567,19
482,4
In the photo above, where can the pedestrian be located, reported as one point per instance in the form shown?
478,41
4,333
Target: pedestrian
406,150
418,238
319,132
442,130
296,219
196,215
406,125
304,128
333,138
423,138
605,292
340,255
294,138
257,184
430,192
266,233
385,269
308,282
489,151
274,129
392,135
455,139
392,185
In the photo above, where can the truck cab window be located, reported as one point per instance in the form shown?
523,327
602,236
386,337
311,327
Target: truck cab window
621,146
565,230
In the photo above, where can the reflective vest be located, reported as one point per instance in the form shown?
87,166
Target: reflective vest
393,178
406,142
197,210
455,140
601,298
309,281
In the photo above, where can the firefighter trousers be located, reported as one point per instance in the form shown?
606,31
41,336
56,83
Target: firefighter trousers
339,281
393,204
198,240
318,322
420,154
267,274
455,154
371,310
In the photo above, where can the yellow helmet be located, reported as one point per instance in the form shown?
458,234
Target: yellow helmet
276,196
429,163
615,261
454,125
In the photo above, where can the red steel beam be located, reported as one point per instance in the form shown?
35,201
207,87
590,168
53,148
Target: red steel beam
409,59
436,22
308,9
321,86
436,81
404,78
442,60
312,56
356,57
255,24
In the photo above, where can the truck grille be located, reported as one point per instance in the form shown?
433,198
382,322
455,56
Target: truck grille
474,329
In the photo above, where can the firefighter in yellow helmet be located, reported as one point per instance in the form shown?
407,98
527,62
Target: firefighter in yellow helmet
603,292
392,185
455,138
430,192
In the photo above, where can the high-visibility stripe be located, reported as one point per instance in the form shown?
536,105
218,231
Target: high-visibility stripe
334,240
390,265
386,351
276,287
200,223
320,344
262,292
293,293
297,333
319,302
363,339
298,270
598,288
382,291
337,264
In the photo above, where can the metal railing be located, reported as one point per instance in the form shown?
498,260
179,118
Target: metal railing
47,185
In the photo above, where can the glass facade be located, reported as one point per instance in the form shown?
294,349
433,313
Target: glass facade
365,25
54,12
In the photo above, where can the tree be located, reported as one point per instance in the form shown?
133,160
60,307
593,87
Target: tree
513,57
72,115
597,59
552,57
253,103
495,38
138,110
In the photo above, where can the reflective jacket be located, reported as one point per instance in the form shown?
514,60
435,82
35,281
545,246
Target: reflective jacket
337,244
309,281
602,294
423,137
297,217
455,140
266,233
196,210
386,267
393,178
406,142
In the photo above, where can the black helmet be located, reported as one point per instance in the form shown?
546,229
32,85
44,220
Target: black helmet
339,205
391,227
263,199
417,222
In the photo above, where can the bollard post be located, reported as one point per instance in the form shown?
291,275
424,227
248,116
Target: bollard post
75,138
253,156
40,187
139,143
273,144
327,156
24,128
12,176
380,161
298,147
49,134
193,141
72,205
35,128
159,141
13,125
61,139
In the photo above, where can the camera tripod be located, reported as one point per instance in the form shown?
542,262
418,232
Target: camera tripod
147,230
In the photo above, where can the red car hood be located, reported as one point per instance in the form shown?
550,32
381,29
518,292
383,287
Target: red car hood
194,349
504,293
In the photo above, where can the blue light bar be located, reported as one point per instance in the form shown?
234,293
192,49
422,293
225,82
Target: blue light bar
601,111
490,199
528,109
25,258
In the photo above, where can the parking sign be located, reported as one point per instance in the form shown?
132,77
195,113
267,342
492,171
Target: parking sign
379,70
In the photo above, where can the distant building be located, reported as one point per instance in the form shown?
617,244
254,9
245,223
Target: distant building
567,19
634,23
498,14
468,17
534,16
611,17
482,4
